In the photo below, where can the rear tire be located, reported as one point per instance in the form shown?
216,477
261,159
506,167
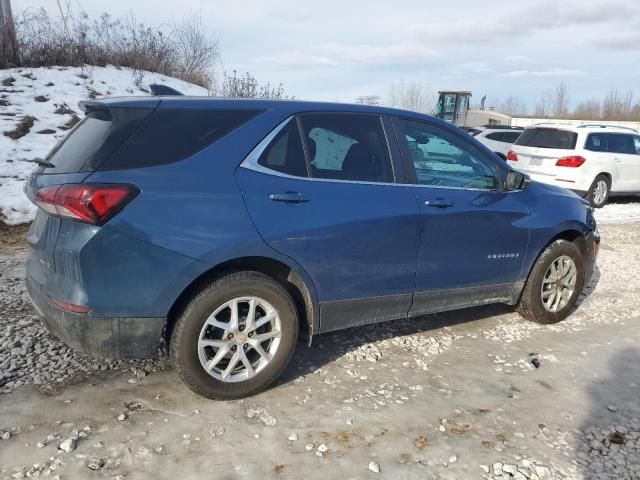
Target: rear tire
598,193
206,342
549,298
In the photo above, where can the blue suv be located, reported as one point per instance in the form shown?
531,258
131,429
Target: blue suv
229,228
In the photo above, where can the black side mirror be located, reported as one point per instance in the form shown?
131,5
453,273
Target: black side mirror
516,180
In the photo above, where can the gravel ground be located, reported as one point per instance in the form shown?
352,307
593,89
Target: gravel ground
478,393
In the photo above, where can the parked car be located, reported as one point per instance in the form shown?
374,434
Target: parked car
595,161
497,138
232,227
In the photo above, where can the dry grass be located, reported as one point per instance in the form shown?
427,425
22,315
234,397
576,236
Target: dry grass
22,128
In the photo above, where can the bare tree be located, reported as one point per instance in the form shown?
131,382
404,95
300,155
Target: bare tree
560,104
513,106
588,110
411,96
246,86
369,99
618,105
544,106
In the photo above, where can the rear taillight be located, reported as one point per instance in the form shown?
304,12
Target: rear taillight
89,203
511,156
572,161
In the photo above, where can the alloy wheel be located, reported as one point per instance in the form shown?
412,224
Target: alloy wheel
559,283
600,192
239,339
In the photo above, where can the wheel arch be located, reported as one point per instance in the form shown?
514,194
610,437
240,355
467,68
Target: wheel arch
298,287
570,234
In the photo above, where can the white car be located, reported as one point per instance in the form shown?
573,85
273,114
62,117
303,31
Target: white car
595,161
497,139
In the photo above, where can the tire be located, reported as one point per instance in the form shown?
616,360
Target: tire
540,284
598,193
196,341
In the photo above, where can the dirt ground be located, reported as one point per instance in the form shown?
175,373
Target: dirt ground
478,393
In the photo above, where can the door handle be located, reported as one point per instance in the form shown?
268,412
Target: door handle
438,203
289,197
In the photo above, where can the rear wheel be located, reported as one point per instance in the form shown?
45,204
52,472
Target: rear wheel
554,284
599,192
235,337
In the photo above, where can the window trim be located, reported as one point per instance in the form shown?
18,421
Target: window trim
251,160
412,177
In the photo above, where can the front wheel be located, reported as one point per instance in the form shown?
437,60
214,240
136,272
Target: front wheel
554,284
235,337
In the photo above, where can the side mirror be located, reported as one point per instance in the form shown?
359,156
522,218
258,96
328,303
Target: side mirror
516,180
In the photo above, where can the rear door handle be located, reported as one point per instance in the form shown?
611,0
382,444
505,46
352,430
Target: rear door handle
289,197
438,203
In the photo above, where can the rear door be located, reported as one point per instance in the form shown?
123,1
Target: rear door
321,190
474,235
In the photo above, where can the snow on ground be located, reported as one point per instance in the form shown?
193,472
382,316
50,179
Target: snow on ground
620,210
39,92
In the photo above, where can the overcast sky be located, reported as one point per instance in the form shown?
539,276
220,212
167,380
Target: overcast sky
337,50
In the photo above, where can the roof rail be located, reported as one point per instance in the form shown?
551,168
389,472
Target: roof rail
600,125
504,127
163,90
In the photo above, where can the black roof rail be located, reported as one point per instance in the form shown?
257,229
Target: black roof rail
504,127
163,90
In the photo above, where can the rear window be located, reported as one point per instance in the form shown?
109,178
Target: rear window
94,139
171,135
547,138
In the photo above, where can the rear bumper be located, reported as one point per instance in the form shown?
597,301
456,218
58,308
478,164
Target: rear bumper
107,337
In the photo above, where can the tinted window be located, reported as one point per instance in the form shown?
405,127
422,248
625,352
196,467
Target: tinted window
597,142
171,135
94,139
510,137
622,143
285,153
347,147
636,142
495,136
547,138
441,159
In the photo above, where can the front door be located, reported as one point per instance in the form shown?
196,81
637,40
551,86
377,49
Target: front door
474,234
338,214
625,149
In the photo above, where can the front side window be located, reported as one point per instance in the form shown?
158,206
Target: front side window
636,142
347,147
495,136
443,160
285,154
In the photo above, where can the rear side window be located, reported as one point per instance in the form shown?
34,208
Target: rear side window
548,138
495,136
94,139
347,147
510,137
597,142
171,135
622,143
285,153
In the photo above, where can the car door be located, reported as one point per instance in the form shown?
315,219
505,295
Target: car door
623,148
320,189
474,234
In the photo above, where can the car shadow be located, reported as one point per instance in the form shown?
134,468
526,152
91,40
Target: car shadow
607,447
328,347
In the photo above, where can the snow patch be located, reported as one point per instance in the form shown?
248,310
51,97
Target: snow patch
54,87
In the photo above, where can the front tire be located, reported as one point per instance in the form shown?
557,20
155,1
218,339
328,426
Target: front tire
554,284
235,337
599,191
